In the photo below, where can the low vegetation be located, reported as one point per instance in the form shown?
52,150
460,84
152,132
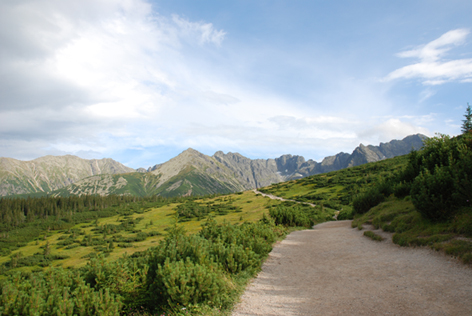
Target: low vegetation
335,191
424,198
428,203
139,256
373,235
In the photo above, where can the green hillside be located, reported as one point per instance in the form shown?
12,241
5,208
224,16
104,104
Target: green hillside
335,190
423,198
187,182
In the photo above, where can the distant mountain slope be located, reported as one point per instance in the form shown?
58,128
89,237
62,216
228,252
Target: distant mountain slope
192,172
49,173
361,155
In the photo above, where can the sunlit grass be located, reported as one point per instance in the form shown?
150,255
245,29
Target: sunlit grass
154,219
400,217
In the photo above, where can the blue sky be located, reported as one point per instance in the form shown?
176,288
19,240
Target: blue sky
141,81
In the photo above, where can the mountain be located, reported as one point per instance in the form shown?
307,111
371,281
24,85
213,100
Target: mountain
50,173
361,155
192,172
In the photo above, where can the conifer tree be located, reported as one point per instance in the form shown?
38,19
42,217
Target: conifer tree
47,250
467,123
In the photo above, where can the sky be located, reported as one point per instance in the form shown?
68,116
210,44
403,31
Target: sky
140,81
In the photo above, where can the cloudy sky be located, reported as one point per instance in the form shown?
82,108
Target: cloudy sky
140,81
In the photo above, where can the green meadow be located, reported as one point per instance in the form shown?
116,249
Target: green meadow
154,222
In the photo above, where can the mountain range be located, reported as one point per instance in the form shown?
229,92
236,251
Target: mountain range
191,172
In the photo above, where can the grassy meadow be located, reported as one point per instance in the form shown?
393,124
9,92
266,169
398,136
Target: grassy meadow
153,221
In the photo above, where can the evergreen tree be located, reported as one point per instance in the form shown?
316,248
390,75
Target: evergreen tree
47,250
467,123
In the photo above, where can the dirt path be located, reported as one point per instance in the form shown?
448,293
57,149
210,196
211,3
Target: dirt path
334,270
273,197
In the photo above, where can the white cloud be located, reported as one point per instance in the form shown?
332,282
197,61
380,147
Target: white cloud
205,32
101,77
94,70
432,68
393,128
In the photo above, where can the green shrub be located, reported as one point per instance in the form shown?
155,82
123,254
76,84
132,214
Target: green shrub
365,201
184,282
372,235
432,194
345,214
401,189
290,216
55,292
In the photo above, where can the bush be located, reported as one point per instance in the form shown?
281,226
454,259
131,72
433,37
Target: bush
55,292
198,268
401,189
365,201
432,194
290,216
345,214
184,282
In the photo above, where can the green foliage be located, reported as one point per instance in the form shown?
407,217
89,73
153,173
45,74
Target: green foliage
24,219
410,228
432,194
338,190
366,200
345,213
55,292
467,123
372,235
441,176
41,260
290,216
124,277
401,189
198,210
194,269
185,282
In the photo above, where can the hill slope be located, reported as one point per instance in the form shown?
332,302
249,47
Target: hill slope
50,173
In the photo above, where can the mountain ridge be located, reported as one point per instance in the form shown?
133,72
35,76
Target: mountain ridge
190,172
49,173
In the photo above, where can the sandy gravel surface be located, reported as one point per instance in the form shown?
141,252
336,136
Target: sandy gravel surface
334,270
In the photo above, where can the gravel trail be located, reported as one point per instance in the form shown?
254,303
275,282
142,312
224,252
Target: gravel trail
335,270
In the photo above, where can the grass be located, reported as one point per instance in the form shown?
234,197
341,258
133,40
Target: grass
399,216
336,190
373,235
252,208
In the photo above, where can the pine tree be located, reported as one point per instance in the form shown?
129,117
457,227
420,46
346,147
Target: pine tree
467,123
47,250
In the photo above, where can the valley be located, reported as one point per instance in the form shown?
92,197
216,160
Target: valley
129,248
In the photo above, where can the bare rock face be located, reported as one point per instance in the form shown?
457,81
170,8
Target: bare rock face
50,173
249,173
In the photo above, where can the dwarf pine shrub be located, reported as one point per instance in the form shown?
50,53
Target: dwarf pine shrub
290,216
55,292
185,282
366,200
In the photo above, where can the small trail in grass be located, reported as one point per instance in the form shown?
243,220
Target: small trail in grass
334,270
273,197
